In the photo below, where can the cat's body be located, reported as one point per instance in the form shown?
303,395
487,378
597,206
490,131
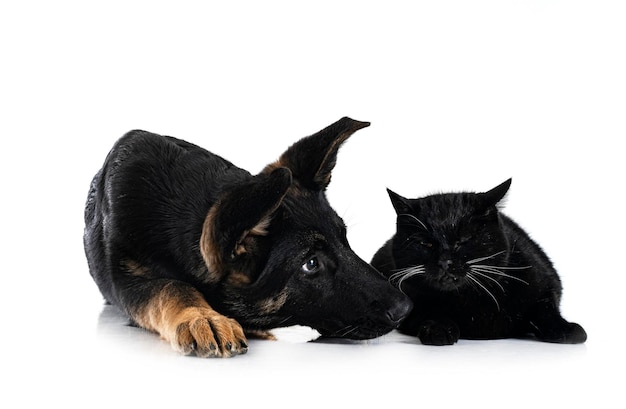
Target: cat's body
472,272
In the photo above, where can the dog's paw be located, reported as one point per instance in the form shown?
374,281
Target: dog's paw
438,333
208,334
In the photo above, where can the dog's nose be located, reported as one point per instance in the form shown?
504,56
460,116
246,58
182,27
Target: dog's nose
399,310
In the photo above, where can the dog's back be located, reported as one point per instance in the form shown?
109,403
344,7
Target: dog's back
167,186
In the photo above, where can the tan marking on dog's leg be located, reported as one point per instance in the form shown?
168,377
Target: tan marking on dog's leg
181,315
272,304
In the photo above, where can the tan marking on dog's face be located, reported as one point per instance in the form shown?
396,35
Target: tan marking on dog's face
272,304
135,268
238,279
210,252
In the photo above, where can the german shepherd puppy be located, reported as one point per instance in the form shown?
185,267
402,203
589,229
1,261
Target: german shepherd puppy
204,253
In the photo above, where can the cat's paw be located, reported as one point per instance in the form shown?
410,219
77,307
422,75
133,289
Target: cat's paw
208,334
567,333
438,332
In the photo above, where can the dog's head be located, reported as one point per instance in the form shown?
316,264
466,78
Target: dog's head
280,255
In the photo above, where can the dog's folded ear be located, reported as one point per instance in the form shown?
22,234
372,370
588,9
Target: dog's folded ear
312,159
242,214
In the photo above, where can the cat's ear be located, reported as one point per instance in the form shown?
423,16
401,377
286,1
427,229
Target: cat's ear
495,195
312,159
401,204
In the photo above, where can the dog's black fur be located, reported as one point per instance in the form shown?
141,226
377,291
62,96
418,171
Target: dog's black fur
204,253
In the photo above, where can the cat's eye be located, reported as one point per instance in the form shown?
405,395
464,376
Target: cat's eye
461,242
426,244
311,266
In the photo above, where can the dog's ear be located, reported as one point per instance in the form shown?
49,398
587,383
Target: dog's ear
312,159
240,216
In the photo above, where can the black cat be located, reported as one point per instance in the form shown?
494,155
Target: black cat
472,272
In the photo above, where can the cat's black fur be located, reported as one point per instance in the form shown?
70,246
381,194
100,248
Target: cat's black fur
472,272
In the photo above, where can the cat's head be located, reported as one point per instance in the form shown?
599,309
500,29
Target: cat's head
441,237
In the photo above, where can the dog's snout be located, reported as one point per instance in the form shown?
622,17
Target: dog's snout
399,310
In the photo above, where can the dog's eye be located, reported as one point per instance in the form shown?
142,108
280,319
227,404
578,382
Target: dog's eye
311,266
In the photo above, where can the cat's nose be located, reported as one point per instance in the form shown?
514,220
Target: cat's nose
444,264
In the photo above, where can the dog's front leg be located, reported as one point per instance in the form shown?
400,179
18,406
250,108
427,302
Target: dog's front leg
180,314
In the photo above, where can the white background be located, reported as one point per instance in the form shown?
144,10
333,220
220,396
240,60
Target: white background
460,94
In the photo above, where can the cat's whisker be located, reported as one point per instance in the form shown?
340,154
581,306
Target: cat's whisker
477,260
495,271
399,279
414,218
508,267
409,270
399,276
489,278
474,279
399,273
346,330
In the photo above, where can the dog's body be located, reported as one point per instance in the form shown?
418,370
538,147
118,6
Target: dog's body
196,249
